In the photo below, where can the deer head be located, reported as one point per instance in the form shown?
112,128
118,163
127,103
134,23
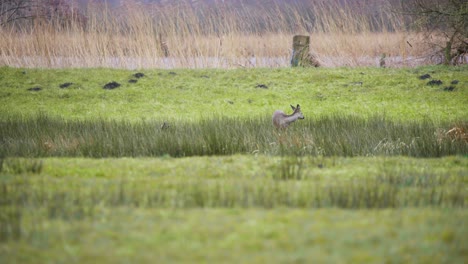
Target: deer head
297,111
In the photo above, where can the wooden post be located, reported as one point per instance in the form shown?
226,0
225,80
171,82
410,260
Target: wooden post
300,54
448,53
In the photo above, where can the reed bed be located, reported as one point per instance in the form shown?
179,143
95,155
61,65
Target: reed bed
328,136
178,35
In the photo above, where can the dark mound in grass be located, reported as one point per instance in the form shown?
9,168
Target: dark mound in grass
449,88
65,85
434,82
138,75
35,89
424,76
111,85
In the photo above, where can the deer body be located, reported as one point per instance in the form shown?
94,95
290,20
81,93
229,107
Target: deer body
282,120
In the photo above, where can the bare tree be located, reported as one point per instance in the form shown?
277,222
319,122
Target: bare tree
447,19
16,10
58,12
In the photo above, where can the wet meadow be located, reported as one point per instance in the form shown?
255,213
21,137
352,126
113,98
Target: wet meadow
185,165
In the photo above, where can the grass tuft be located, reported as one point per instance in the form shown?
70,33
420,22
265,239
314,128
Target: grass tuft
21,166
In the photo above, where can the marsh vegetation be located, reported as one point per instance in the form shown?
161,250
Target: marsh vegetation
347,136
101,165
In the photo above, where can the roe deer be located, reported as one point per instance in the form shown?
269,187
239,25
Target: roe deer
282,120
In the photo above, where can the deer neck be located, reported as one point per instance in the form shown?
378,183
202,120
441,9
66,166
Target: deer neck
291,118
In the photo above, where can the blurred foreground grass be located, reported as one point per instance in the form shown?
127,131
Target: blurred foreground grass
283,235
241,208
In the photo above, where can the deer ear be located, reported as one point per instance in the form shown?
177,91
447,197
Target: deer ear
298,106
293,108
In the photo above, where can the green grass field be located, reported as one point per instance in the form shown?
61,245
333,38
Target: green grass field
397,94
372,175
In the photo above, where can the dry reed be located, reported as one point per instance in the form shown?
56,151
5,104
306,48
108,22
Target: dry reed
344,33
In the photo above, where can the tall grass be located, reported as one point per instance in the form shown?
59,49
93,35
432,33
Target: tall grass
29,203
230,34
77,198
326,136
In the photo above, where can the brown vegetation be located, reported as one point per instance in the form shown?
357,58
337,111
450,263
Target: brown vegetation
196,34
458,133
